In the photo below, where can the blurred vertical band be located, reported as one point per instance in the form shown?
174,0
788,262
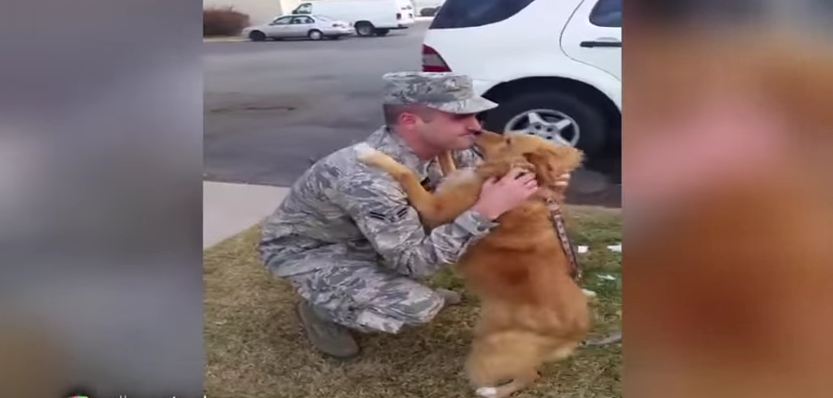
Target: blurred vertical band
728,187
100,198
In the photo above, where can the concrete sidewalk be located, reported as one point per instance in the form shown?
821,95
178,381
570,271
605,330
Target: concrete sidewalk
232,208
224,39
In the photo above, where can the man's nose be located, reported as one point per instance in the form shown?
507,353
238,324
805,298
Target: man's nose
473,124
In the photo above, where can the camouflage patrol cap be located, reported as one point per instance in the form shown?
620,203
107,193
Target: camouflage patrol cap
444,91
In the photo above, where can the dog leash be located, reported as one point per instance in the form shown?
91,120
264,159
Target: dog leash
575,269
561,230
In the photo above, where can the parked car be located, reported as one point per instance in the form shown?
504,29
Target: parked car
428,12
368,17
427,7
314,27
555,67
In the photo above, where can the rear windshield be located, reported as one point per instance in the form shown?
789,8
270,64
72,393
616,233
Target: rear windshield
470,13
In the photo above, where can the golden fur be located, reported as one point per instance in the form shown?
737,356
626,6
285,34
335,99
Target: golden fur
531,309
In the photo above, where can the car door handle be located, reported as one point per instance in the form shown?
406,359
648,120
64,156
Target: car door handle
596,43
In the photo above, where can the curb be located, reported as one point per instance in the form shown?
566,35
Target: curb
227,39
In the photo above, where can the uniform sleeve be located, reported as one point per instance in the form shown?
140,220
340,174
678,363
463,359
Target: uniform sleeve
381,211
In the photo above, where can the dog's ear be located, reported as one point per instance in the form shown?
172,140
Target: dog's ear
569,158
550,163
545,171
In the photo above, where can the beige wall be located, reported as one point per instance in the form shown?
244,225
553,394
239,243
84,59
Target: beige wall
259,11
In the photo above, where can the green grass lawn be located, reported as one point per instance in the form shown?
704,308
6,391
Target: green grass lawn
256,347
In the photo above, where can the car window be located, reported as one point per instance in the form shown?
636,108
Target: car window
470,13
300,20
305,8
282,21
607,13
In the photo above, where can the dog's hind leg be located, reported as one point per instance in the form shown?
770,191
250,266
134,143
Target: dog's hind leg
520,382
510,357
562,352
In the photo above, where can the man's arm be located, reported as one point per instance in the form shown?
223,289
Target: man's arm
381,211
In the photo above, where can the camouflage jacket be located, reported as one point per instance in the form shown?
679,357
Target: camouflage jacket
341,212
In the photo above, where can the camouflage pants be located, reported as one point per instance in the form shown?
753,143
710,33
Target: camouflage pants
368,298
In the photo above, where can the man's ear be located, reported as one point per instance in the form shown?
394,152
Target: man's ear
407,119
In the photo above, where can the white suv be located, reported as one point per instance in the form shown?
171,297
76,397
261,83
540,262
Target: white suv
554,66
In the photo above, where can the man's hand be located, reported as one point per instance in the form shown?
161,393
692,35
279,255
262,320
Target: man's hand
500,196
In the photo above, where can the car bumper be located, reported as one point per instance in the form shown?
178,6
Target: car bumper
338,31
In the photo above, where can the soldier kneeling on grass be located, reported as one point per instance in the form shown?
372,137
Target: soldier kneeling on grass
346,238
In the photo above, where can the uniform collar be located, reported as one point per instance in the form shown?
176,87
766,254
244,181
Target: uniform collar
392,144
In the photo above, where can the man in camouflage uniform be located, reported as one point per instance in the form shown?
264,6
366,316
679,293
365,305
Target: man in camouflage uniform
345,236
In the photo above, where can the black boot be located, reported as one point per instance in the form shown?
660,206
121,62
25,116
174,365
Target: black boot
327,336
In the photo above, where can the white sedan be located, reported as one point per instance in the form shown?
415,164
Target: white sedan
314,27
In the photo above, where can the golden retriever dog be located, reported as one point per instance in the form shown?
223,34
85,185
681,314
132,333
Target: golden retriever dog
532,311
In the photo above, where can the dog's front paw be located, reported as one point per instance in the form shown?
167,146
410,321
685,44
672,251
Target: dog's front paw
365,152
375,158
486,392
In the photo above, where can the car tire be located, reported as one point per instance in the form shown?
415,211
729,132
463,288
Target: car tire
381,32
592,123
315,34
364,29
257,36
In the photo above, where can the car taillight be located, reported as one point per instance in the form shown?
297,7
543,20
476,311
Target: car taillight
432,61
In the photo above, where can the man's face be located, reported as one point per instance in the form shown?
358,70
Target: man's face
448,131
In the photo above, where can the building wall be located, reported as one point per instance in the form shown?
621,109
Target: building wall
259,11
